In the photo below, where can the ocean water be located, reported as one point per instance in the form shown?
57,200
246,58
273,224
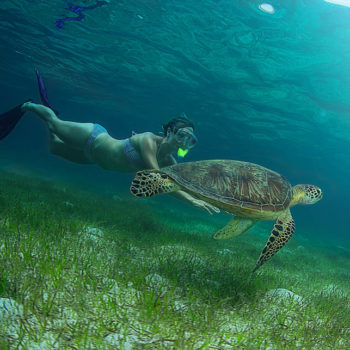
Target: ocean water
272,89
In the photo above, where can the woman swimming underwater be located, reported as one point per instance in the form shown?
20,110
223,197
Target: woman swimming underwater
88,143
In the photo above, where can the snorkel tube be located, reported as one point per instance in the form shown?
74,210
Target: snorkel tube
182,152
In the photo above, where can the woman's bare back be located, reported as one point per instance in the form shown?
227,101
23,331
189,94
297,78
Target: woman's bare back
109,153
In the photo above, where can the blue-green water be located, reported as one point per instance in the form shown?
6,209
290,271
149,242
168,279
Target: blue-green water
270,89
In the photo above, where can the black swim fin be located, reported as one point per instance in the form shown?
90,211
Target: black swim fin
9,120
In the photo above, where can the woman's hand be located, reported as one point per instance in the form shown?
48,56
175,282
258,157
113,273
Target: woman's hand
195,202
205,206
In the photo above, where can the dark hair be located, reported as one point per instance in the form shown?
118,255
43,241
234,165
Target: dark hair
177,123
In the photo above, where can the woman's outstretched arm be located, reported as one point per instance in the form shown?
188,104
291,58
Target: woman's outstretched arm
149,152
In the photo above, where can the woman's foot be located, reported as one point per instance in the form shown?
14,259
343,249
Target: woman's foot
43,112
25,106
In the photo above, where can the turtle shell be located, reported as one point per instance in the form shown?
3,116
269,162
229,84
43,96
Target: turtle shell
233,182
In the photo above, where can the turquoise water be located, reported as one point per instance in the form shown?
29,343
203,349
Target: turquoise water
270,89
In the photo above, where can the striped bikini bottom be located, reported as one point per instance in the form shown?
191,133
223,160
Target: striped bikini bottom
97,130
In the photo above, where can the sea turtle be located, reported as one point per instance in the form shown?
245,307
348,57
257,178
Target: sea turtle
247,190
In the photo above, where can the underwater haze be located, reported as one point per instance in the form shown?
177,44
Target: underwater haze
84,264
272,89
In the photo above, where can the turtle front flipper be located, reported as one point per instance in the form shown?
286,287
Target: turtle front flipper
280,235
149,183
235,227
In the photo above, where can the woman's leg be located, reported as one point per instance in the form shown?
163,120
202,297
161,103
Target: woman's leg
61,149
73,134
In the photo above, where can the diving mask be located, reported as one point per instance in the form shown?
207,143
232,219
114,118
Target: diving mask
186,138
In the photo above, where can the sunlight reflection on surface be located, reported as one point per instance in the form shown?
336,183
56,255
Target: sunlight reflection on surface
340,2
267,8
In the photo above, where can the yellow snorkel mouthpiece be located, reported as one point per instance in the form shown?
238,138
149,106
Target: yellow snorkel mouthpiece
182,152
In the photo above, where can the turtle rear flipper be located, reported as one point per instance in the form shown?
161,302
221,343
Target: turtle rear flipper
235,227
280,235
148,183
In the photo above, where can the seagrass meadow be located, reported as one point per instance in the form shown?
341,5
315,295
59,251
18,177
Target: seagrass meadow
86,265
73,277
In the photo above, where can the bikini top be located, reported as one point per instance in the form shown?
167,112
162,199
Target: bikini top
132,155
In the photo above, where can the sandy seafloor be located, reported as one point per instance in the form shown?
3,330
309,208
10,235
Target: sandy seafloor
90,270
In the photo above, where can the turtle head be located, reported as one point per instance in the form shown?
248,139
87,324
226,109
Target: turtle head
306,194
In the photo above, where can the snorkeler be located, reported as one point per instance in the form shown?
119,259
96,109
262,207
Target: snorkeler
88,143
